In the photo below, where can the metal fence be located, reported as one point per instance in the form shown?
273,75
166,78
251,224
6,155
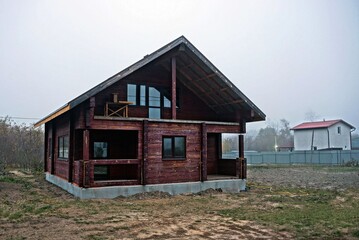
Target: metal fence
328,157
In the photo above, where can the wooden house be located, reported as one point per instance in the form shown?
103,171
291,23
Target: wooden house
158,121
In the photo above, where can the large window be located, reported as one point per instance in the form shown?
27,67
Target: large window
174,147
132,93
154,103
155,98
63,147
230,146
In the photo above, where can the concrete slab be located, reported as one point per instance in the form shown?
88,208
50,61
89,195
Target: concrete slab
228,185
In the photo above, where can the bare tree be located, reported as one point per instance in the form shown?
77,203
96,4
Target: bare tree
311,116
20,146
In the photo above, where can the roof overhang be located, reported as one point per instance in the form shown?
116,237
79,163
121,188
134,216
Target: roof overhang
53,115
215,89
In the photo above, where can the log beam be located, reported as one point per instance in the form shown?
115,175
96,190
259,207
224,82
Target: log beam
203,166
144,152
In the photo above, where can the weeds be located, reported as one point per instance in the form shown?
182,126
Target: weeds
298,212
306,213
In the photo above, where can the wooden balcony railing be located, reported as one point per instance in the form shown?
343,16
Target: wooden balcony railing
117,109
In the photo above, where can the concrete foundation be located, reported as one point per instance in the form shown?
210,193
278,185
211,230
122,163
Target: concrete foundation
228,185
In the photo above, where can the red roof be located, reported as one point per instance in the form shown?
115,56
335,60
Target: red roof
321,124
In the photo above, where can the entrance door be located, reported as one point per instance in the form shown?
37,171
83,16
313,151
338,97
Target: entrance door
212,153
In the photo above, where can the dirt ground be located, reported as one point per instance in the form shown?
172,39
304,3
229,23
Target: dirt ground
306,177
31,208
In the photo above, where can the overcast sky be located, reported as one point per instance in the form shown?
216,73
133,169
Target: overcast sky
288,57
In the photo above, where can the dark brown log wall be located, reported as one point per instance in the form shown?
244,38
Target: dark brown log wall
212,153
62,129
77,173
171,171
227,167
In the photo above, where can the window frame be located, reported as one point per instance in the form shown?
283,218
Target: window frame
173,148
101,177
143,91
62,147
135,97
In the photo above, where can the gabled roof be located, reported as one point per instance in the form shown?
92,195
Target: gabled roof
319,124
215,89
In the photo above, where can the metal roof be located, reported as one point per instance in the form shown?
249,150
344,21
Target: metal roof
195,71
319,124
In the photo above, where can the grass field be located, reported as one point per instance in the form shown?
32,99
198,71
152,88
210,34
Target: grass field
31,208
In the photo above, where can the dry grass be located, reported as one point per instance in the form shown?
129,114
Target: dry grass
31,208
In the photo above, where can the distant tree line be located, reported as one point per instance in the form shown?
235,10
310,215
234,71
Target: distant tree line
274,135
21,146
269,138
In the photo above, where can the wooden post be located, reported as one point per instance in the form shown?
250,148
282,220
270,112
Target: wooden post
203,166
144,152
85,157
174,94
241,165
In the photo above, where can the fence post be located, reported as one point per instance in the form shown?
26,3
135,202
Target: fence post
262,157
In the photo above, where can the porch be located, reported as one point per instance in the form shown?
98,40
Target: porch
124,156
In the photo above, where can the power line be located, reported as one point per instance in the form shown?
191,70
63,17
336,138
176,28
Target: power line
22,118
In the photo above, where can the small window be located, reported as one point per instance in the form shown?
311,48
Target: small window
100,149
339,130
63,147
132,93
100,172
166,102
174,147
143,95
154,113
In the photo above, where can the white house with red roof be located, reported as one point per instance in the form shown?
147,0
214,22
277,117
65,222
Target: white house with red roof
333,134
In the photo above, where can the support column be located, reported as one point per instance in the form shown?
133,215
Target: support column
241,163
144,152
203,165
174,94
86,158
